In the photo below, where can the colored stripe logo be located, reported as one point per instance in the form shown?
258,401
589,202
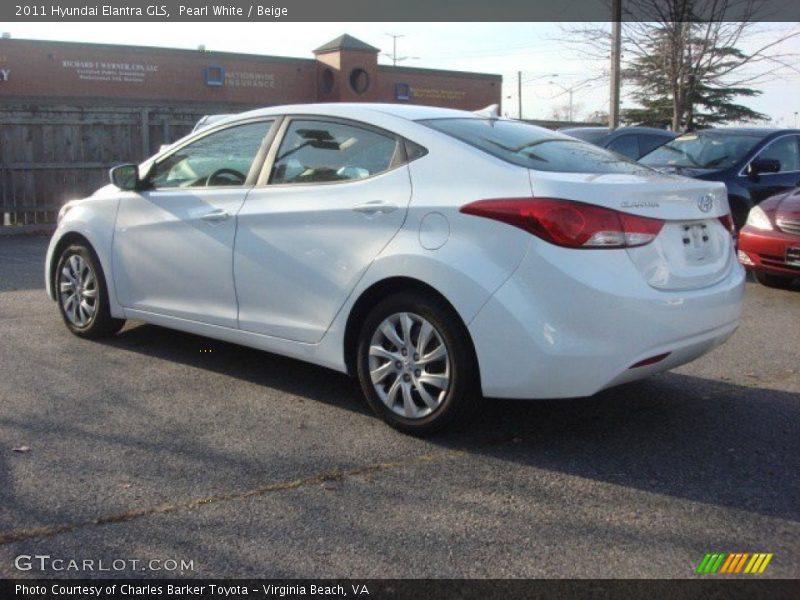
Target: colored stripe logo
734,562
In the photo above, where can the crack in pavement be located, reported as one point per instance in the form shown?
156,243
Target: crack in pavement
49,531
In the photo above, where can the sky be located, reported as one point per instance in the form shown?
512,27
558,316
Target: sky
538,50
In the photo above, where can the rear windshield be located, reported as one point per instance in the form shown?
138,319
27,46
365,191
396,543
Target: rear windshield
704,150
534,147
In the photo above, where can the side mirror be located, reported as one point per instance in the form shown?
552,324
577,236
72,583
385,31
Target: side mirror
764,165
125,177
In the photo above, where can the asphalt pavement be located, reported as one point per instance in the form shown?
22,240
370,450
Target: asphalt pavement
162,446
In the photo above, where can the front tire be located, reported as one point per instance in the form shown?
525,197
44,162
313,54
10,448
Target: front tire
774,281
82,294
416,364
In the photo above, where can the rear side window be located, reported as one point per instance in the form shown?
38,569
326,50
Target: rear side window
648,143
627,145
534,147
322,151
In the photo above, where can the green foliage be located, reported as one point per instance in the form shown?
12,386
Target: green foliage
679,78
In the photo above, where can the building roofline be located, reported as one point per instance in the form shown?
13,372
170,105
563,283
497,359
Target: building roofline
144,49
346,42
423,71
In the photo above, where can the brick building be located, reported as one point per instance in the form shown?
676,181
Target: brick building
343,70
69,111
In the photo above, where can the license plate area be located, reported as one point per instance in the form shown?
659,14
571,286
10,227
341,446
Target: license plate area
793,256
696,238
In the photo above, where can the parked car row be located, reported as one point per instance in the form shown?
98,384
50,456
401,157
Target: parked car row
760,168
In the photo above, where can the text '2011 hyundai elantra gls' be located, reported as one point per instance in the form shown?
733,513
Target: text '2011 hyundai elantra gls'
438,255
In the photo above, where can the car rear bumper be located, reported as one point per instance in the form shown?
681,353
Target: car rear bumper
766,251
570,323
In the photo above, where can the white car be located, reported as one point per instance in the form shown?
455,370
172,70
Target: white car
438,255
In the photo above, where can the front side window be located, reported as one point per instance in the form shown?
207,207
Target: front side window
322,151
785,151
534,147
222,158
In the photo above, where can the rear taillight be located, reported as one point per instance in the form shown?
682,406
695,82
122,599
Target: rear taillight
568,223
727,223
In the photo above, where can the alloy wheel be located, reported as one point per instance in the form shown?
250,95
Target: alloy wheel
77,285
409,365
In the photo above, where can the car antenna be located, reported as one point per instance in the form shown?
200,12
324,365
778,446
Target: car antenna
492,111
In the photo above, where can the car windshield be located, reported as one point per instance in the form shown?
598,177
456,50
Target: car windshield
702,151
534,147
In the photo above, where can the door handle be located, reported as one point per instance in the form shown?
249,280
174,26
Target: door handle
375,206
216,215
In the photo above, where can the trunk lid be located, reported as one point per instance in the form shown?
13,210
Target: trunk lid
692,250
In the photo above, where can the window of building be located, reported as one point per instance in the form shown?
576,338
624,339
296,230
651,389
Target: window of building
327,80
359,80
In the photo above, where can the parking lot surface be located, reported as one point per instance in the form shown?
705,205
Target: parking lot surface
159,445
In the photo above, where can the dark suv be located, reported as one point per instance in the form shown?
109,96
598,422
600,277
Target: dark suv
754,163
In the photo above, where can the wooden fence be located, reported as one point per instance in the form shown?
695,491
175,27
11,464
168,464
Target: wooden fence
52,154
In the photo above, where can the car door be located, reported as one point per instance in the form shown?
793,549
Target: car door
173,242
786,150
334,194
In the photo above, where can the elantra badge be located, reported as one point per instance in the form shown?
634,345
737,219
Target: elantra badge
705,202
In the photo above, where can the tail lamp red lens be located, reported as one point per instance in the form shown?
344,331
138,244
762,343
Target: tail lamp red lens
568,223
727,223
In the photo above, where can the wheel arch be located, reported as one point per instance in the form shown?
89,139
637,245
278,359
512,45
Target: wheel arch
374,294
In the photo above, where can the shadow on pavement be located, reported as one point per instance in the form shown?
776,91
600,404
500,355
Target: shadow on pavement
695,438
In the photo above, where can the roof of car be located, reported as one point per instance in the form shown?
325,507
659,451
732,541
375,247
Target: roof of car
412,112
759,131
632,129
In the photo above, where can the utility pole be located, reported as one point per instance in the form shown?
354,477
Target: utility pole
394,37
569,90
616,51
519,92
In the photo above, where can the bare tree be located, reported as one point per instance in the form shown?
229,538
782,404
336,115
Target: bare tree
690,52
565,112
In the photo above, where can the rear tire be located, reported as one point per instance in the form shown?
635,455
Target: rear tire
82,295
774,281
416,364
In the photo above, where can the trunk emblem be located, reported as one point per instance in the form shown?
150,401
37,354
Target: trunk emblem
705,202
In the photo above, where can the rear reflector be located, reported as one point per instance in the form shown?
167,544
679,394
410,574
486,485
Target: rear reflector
568,223
650,361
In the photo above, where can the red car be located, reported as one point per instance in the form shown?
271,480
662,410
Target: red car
769,244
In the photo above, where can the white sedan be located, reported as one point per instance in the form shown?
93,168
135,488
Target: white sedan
438,255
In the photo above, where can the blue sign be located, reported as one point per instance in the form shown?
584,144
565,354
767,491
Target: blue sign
402,91
215,75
